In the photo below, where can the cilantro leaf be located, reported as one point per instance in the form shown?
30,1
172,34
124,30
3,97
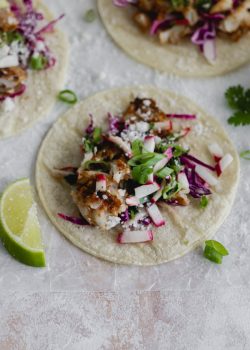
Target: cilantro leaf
239,118
238,100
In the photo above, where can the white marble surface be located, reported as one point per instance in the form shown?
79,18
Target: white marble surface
80,302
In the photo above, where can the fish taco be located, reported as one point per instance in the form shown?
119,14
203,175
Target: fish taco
33,61
189,38
124,175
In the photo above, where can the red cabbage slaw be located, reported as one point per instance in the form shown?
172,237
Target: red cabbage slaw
204,36
33,38
142,210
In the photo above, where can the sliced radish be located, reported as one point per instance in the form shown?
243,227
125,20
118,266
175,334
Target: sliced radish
101,183
151,178
169,153
167,125
223,163
216,151
149,143
146,190
206,175
129,236
185,131
120,143
159,165
183,181
132,201
155,215
156,196
209,50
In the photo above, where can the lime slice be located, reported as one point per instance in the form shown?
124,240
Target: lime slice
19,227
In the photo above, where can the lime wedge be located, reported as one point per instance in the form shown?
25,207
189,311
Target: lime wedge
19,227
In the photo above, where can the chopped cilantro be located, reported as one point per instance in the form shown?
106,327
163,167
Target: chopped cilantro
239,101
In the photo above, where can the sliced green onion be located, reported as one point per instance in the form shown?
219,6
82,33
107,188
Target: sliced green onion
163,173
214,251
38,63
97,135
203,202
89,16
245,155
68,96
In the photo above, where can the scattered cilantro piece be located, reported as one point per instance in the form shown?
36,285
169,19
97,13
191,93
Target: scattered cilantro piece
238,100
89,16
214,251
203,202
245,155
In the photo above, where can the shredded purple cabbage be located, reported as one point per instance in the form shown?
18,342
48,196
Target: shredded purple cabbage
74,220
159,24
90,128
124,216
190,159
182,116
196,185
116,125
124,3
145,221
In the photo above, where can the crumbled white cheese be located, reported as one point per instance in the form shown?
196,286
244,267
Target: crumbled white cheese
9,61
136,131
8,104
112,221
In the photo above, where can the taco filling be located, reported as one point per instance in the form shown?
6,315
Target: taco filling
140,164
22,46
201,21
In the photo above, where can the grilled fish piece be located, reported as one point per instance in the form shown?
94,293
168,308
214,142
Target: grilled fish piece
99,208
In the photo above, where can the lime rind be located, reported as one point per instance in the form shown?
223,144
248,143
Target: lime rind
14,244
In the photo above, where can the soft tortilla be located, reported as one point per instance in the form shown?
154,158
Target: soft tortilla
41,87
184,59
186,227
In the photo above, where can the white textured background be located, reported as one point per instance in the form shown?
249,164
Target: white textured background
79,302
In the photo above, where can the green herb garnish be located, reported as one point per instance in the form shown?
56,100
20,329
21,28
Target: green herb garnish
140,173
239,100
245,155
179,3
214,251
137,147
203,202
97,135
68,96
90,16
38,63
163,173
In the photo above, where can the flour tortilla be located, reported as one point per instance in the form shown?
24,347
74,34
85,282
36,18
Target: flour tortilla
41,87
184,59
186,227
